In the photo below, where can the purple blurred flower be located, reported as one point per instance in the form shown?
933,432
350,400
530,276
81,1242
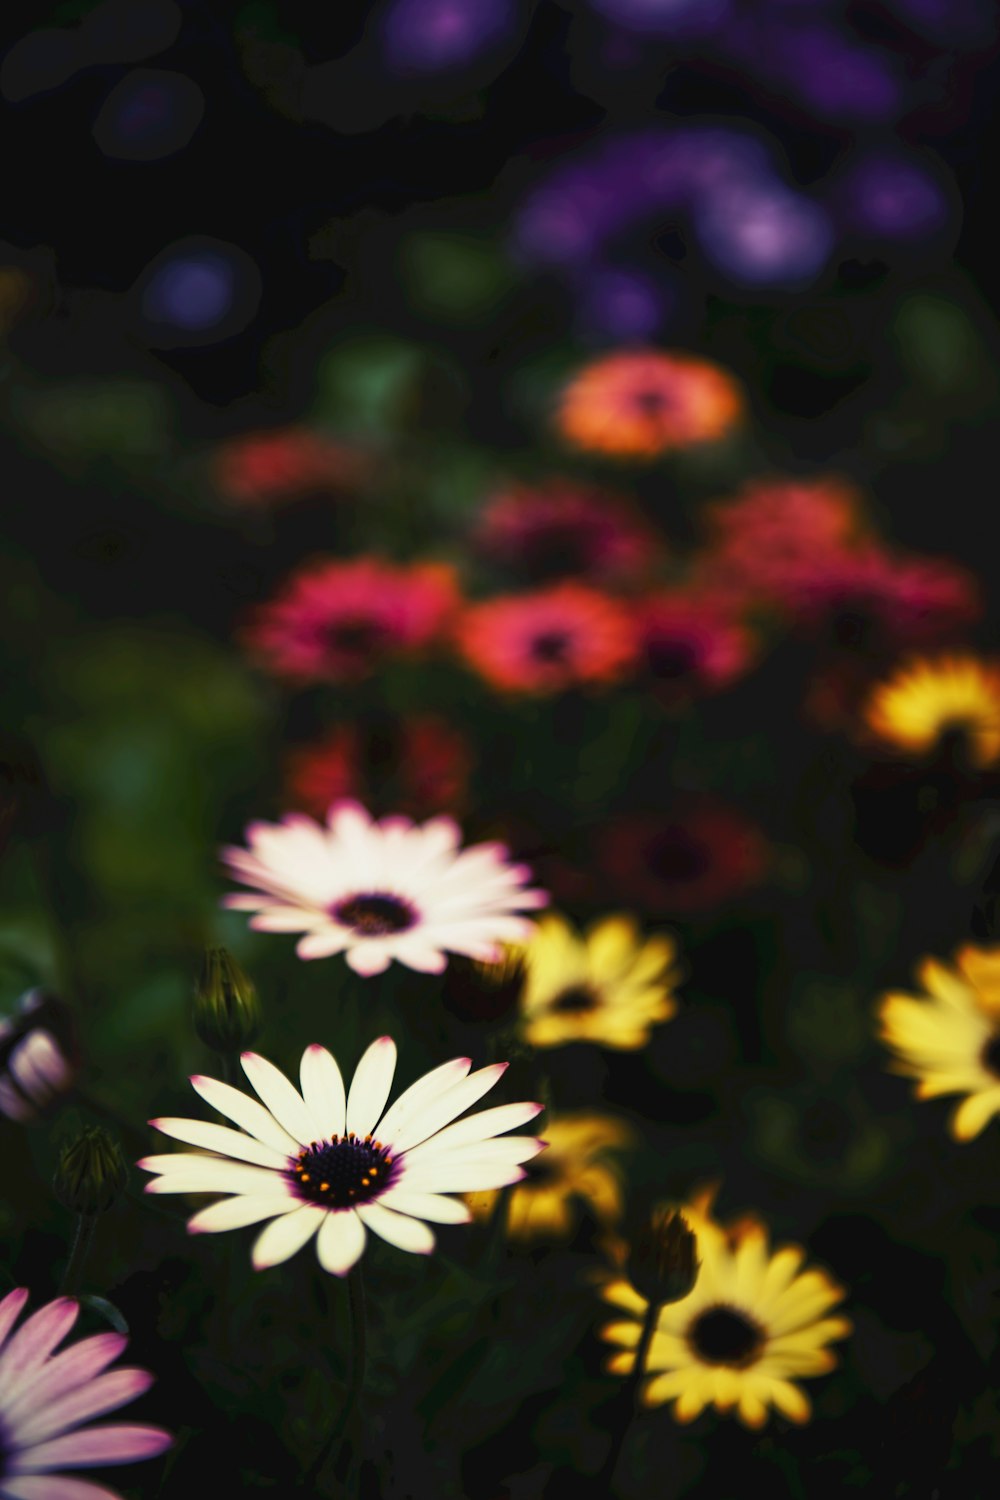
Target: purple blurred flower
430,36
45,1397
197,291
621,305
39,1057
149,115
892,196
666,17
835,76
763,234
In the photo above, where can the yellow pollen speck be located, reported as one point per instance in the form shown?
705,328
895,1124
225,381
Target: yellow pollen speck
324,1187
305,1176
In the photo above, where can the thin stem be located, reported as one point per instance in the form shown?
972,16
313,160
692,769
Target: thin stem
629,1396
334,1442
231,1071
85,1226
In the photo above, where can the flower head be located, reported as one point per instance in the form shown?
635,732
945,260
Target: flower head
752,1325
227,1013
563,527
684,862
579,1165
39,1056
336,621
267,468
564,636
422,763
692,643
91,1175
776,526
948,1037
641,403
611,986
930,698
378,891
335,1163
46,1396
663,1257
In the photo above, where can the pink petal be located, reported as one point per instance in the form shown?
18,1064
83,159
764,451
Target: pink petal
63,1372
10,1310
55,1487
35,1340
95,1398
121,1443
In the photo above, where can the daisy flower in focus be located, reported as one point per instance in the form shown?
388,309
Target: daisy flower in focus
753,1325
265,468
336,621
335,1163
685,862
563,527
692,643
45,1397
578,1166
929,698
544,642
641,403
611,986
378,891
948,1037
420,763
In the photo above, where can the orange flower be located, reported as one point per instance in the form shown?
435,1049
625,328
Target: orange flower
643,403
548,641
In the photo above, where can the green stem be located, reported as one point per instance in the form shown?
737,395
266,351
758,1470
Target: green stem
334,1442
85,1226
231,1071
629,1396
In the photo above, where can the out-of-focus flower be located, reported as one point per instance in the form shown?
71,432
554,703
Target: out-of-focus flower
889,196
335,1163
774,526
930,698
46,1396
378,891
753,1325
948,1037
560,637
872,596
679,864
336,621
268,468
611,986
579,1164
692,643
563,527
432,36
39,1057
641,403
227,1014
419,764
91,1175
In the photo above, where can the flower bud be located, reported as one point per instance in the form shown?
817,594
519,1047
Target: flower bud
91,1175
227,1013
39,1057
475,991
663,1258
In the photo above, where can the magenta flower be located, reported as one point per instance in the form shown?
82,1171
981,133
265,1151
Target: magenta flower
45,1397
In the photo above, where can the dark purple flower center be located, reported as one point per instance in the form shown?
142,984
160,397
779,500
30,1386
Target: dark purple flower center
354,635
551,645
343,1171
651,402
374,913
853,623
726,1336
991,1056
671,657
575,1000
676,856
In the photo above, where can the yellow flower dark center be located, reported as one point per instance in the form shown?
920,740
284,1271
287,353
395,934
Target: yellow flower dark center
340,1172
576,1000
726,1336
374,914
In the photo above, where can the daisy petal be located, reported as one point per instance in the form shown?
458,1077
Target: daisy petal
238,1212
370,1085
209,1174
244,1111
323,1091
447,1107
479,1127
340,1241
219,1138
418,1094
10,1311
55,1487
35,1340
114,1444
283,1237
397,1229
279,1096
368,960
433,1206
61,1372
106,1393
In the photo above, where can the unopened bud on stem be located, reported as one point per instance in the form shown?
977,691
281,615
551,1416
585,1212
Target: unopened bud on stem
227,1014
91,1175
663,1259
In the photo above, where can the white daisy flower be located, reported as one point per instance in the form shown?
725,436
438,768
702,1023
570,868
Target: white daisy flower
335,1163
48,1397
378,891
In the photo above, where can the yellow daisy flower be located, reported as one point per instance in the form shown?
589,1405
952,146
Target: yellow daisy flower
575,1166
610,986
930,697
753,1325
949,1037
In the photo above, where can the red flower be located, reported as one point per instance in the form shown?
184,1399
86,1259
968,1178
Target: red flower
266,468
562,527
547,641
641,403
684,862
336,621
692,643
419,766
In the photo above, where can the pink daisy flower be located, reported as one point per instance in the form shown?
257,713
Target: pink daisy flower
336,621
562,527
692,643
45,1397
775,526
378,891
545,642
